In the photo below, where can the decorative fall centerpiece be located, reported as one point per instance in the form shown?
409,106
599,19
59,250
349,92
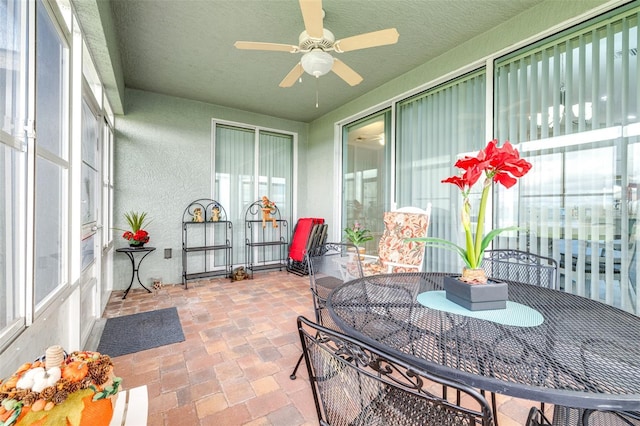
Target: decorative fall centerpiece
61,389
136,236
498,164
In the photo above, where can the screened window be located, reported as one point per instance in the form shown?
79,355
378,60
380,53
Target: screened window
434,128
12,163
52,156
90,183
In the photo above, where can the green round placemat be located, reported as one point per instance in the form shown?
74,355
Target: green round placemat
514,314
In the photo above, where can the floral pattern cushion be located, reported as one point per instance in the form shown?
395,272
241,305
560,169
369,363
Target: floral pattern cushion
393,247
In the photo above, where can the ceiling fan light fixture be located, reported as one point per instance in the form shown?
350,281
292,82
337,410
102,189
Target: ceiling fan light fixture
317,62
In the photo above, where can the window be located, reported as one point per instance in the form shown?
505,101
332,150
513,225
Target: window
52,110
90,181
366,168
433,128
571,105
12,164
240,179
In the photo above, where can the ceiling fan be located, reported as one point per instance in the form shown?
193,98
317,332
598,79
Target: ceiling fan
316,41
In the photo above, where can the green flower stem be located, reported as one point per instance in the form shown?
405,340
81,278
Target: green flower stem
466,224
480,227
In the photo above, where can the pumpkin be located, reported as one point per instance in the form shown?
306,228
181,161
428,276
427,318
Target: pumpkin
75,371
78,410
37,379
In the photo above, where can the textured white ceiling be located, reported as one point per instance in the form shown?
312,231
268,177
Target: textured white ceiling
185,48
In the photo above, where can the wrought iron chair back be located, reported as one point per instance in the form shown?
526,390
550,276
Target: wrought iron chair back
610,418
563,416
330,264
356,384
634,240
521,266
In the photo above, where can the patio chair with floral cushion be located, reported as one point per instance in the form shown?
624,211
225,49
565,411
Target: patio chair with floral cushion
395,254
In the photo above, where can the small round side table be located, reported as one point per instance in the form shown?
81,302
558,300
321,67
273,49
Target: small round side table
135,269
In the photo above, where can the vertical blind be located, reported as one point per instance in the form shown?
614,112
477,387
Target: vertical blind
433,129
570,104
240,179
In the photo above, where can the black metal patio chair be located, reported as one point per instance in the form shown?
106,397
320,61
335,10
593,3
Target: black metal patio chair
522,266
330,264
565,416
356,384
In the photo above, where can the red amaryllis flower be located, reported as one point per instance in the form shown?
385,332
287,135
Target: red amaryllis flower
506,165
459,181
502,165
467,180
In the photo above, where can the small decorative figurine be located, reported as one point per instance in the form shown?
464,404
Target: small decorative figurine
239,274
215,214
197,215
268,207
157,285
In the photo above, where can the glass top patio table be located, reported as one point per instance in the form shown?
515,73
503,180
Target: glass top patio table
584,354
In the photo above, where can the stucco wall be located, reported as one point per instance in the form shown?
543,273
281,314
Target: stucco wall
162,156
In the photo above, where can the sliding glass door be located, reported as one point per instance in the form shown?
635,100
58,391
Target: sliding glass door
572,106
366,174
249,163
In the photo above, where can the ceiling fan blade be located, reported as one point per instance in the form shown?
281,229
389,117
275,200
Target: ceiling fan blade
363,41
312,16
345,72
293,75
256,45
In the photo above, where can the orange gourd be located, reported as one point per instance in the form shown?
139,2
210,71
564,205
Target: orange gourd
24,367
10,383
38,405
75,371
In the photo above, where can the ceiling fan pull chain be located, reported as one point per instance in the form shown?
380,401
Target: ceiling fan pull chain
316,92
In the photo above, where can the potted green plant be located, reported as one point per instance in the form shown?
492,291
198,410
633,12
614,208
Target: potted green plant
358,235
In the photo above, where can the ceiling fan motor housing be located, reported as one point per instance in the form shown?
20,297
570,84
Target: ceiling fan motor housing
307,43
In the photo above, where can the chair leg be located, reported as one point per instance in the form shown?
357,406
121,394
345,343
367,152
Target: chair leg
494,407
293,373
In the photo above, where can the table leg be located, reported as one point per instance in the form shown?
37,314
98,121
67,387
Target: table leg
135,272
